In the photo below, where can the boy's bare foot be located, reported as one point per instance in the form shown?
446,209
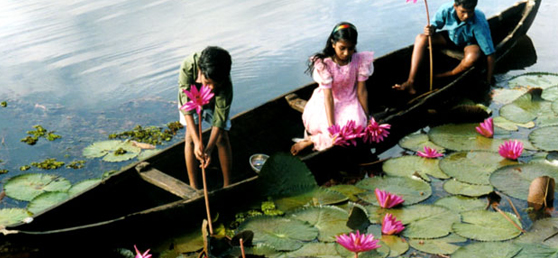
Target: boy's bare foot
300,146
407,86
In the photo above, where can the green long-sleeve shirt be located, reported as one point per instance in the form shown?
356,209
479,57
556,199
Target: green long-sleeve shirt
220,103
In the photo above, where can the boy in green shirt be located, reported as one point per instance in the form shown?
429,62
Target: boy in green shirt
212,68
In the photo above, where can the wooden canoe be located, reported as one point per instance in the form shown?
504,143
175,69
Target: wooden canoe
152,196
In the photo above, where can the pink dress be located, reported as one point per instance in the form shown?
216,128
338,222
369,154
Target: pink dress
342,80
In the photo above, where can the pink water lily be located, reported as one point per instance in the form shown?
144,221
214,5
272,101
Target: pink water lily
387,199
140,255
391,226
414,1
357,243
197,98
486,128
511,149
429,153
375,132
337,136
346,135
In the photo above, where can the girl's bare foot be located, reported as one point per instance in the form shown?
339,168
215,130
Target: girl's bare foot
300,146
408,86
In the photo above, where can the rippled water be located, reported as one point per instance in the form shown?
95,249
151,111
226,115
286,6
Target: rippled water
89,68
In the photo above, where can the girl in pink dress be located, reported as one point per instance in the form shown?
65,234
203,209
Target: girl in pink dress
341,95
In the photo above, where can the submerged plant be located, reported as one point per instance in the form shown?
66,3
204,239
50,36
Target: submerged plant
375,132
40,131
486,128
48,164
3,171
76,164
387,200
429,153
511,149
30,140
391,226
152,135
358,243
24,168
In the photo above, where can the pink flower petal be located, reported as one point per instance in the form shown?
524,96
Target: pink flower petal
358,242
429,153
390,225
511,149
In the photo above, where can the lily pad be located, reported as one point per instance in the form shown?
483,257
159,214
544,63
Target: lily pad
526,108
487,250
510,125
263,250
324,250
536,251
534,80
417,141
282,173
280,233
318,196
426,221
515,180
351,191
543,231
82,186
46,200
25,187
329,220
473,167
460,203
457,187
485,225
409,165
550,94
397,245
545,138
109,150
444,245
12,215
411,190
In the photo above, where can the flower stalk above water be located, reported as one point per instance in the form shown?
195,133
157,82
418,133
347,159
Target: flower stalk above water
486,128
357,243
429,153
387,200
511,149
391,226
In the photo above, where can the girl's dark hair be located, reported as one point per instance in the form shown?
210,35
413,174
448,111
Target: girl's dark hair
467,4
215,64
342,31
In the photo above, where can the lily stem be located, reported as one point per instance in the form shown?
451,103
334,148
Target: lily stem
242,248
508,218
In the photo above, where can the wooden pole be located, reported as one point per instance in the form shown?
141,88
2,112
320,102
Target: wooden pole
429,45
205,195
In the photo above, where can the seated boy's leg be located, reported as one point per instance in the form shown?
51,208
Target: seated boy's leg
225,156
191,161
472,53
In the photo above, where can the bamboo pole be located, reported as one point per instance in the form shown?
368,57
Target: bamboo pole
429,45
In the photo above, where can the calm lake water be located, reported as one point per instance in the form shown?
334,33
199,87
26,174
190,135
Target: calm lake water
85,69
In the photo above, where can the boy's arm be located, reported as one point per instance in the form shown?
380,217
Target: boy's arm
489,68
215,134
192,129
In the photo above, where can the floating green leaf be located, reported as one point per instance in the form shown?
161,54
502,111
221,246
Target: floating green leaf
351,191
107,149
460,203
505,96
329,220
25,187
545,138
473,167
550,94
510,125
325,250
515,180
487,250
444,245
426,221
411,190
457,187
536,251
82,186
534,80
397,245
543,231
46,200
409,165
526,108
280,233
417,142
12,216
317,196
282,173
485,225
263,250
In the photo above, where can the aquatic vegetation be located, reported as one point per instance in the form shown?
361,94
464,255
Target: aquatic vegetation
140,255
391,226
25,187
30,140
511,149
107,150
387,200
3,171
48,164
429,153
3,104
24,168
358,243
39,131
197,98
151,135
76,164
375,132
486,128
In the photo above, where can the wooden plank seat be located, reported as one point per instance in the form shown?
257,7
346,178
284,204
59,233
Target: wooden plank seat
296,102
166,182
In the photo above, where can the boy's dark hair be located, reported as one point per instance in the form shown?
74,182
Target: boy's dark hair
467,4
341,31
215,64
